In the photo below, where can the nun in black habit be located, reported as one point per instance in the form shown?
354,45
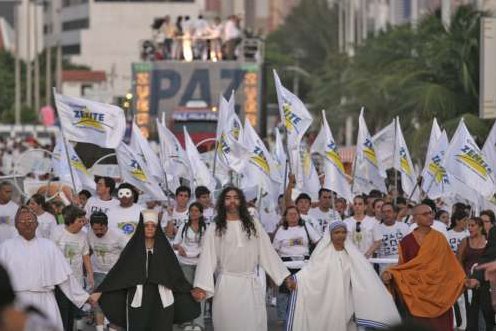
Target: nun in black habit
146,289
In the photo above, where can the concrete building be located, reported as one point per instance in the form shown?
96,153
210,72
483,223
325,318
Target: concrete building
107,35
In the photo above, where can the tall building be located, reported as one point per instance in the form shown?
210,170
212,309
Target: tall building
106,35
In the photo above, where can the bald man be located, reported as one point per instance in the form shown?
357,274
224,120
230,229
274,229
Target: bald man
428,278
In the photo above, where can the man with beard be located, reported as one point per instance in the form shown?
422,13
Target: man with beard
106,245
233,248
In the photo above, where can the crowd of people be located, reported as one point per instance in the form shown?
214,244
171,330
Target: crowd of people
189,39
118,260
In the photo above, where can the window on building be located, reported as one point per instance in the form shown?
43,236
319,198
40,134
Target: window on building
71,49
83,23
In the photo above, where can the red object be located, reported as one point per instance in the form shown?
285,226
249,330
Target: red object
47,116
83,76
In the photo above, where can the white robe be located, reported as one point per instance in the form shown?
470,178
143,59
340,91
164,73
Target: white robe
238,297
333,286
35,267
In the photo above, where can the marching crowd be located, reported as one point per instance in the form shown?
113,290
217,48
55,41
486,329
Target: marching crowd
100,248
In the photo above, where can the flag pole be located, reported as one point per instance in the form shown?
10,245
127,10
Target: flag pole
396,193
65,146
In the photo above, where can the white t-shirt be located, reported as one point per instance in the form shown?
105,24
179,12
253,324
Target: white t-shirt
124,220
455,238
7,213
269,220
191,243
97,204
324,218
368,234
311,221
208,215
46,223
106,250
294,240
7,232
391,237
177,218
73,246
436,225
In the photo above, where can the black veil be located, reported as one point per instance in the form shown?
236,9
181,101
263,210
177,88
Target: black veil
130,270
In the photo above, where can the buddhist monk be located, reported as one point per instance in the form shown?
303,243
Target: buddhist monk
428,278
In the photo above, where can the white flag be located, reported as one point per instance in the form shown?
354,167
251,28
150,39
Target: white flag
201,174
135,172
296,119
230,151
141,146
82,177
465,161
368,172
489,149
384,145
403,163
311,182
261,168
436,181
91,122
433,141
335,175
279,155
172,156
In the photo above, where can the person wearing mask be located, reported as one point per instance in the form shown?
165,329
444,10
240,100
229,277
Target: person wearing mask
46,220
188,244
124,217
293,241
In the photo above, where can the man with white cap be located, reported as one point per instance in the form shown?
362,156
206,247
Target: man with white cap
146,289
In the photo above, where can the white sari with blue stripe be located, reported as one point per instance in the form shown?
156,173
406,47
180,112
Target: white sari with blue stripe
338,289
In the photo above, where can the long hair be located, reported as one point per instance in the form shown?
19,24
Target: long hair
246,220
202,226
285,224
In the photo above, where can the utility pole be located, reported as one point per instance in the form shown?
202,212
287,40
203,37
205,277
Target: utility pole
29,82
414,13
57,32
446,13
17,103
36,62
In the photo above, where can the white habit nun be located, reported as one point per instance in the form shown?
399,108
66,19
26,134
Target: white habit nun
338,290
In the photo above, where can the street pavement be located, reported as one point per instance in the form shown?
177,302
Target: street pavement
271,317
